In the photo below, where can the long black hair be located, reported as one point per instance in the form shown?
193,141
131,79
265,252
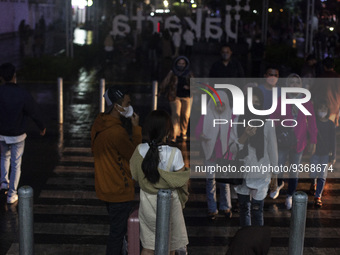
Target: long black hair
157,125
256,141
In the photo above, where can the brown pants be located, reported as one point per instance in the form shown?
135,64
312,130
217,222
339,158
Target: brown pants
180,114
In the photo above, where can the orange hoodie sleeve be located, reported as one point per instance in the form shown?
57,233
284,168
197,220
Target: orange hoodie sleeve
124,145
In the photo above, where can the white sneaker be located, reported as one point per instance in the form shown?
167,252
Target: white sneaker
289,202
274,194
12,199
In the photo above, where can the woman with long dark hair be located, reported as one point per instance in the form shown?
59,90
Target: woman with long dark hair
155,165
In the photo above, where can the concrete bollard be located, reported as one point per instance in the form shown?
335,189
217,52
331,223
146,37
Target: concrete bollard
154,95
162,246
298,223
101,93
60,101
26,234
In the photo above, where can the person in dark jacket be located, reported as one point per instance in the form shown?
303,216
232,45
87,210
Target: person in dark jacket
177,87
16,105
226,67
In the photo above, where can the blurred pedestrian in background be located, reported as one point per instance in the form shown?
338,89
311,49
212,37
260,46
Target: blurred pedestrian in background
214,141
324,156
16,105
226,66
176,85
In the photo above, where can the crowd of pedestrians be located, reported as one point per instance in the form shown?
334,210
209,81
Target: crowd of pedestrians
157,161
32,40
121,158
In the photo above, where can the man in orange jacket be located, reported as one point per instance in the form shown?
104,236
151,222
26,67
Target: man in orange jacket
112,149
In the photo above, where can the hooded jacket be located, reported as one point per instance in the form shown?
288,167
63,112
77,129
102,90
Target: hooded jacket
170,83
16,105
112,150
168,180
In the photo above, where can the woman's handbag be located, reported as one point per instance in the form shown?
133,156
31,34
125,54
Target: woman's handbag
229,169
286,138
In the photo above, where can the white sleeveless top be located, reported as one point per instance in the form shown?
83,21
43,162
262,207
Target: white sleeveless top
164,155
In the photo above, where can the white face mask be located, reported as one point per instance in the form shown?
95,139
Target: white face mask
128,111
322,114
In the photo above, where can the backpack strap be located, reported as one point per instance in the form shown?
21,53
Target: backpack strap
171,159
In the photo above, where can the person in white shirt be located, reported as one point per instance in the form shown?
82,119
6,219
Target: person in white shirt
176,40
188,38
258,146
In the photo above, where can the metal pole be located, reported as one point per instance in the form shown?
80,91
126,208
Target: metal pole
60,101
311,37
264,21
307,27
298,223
162,246
67,28
101,93
61,140
95,32
154,94
71,28
26,240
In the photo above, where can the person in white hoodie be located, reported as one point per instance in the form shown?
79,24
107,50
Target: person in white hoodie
258,145
214,142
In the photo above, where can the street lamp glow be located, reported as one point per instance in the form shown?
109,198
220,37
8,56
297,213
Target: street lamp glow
152,14
270,10
331,29
192,1
281,10
182,1
194,5
255,11
166,3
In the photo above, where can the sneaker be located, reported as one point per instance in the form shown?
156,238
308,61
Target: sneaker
289,202
212,215
317,202
12,199
274,194
227,213
312,189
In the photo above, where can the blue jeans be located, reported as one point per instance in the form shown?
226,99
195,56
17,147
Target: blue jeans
319,163
293,158
118,214
225,200
251,212
11,155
